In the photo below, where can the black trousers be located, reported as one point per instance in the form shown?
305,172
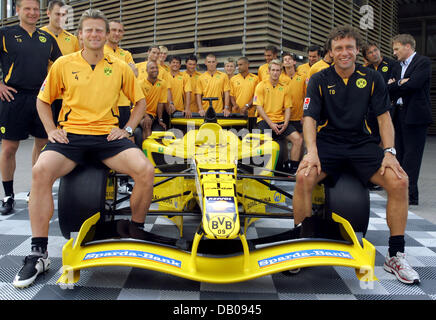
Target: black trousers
409,143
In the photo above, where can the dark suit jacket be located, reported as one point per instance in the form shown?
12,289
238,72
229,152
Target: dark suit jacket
415,92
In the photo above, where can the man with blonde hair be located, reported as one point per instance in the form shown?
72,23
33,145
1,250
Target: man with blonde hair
88,129
274,102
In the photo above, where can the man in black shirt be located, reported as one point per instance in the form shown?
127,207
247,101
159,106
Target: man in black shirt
25,52
383,65
338,99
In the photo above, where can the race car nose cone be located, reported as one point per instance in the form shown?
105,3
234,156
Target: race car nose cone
210,115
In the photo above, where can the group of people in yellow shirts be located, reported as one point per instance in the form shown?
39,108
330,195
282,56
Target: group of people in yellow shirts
273,99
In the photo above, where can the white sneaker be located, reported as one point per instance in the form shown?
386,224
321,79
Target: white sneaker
33,266
399,266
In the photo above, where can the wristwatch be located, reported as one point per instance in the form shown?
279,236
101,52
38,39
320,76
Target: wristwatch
226,107
247,105
390,150
129,131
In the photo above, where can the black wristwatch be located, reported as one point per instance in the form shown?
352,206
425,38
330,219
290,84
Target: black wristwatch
129,131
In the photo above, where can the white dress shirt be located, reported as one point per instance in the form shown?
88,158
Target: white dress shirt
404,64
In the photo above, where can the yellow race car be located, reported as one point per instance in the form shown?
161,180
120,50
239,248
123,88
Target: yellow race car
226,182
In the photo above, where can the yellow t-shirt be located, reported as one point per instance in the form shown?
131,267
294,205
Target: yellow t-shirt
296,87
142,73
125,56
304,69
273,100
213,87
67,42
154,94
194,79
318,66
243,90
180,85
263,72
89,96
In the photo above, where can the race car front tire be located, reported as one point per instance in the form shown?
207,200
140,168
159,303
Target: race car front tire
349,198
81,194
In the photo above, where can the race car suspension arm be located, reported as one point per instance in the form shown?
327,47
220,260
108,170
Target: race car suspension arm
273,187
266,202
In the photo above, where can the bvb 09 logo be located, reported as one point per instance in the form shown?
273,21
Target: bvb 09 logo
361,83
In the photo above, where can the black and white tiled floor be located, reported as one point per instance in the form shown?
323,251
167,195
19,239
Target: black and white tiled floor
124,283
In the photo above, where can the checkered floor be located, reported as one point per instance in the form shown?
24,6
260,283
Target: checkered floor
124,283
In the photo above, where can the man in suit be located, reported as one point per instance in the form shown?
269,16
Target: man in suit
410,91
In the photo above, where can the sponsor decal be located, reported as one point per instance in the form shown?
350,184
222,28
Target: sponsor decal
43,85
220,205
304,254
133,254
306,103
361,83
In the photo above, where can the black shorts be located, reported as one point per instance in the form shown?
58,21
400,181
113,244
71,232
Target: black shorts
262,125
297,125
124,116
84,149
364,159
19,118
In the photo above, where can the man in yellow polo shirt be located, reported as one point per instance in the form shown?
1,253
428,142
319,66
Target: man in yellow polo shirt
153,54
155,91
242,88
313,56
194,75
273,102
181,89
213,84
116,33
89,128
325,62
270,53
67,42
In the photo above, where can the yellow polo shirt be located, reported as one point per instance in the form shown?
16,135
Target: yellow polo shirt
89,96
125,56
263,72
296,88
213,87
273,100
243,90
163,73
180,85
318,66
194,79
304,69
154,94
67,42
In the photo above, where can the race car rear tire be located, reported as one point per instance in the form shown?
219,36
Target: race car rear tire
81,195
349,198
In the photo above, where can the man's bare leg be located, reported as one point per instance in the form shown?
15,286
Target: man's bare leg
134,163
50,166
302,201
397,205
7,159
